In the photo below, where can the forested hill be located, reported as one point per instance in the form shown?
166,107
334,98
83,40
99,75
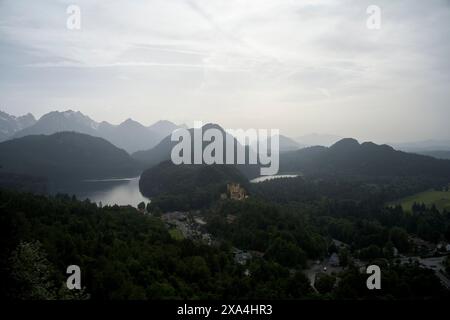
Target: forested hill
162,151
66,155
190,186
349,157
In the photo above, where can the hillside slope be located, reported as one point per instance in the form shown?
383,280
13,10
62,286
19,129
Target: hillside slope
349,157
162,152
66,155
183,187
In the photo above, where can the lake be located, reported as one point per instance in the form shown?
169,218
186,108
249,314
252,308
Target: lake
109,192
120,191
278,176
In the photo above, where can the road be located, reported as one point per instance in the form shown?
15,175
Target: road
434,263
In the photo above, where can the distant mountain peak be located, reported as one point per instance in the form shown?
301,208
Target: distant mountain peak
5,115
163,122
371,145
131,122
346,143
10,125
165,126
67,114
28,115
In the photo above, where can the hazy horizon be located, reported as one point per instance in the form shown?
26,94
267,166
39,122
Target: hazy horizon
301,67
330,135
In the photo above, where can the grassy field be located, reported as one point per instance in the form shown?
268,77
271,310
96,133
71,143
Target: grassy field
176,234
441,199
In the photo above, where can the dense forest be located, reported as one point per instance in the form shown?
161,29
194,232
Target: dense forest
125,254
304,229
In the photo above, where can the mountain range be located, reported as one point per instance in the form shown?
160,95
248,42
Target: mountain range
345,157
423,146
71,155
33,146
130,135
10,125
349,157
133,136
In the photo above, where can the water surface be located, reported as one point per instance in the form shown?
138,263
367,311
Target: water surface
108,192
278,176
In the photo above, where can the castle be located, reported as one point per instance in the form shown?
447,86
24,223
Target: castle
236,192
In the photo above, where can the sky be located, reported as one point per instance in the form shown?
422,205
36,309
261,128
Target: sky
303,67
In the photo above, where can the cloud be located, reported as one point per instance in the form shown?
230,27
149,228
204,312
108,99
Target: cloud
274,63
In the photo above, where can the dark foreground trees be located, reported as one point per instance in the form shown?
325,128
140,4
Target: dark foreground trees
124,254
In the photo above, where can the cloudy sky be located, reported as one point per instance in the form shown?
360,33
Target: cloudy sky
297,65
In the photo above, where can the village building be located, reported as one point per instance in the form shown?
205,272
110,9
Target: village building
241,257
421,246
334,260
